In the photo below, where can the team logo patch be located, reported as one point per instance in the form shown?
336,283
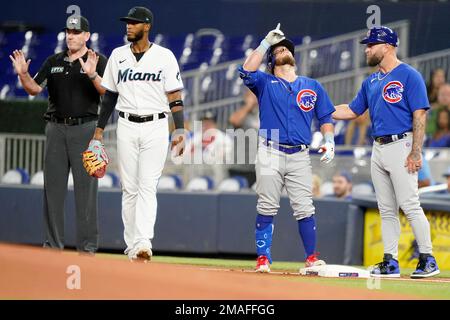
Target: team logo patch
306,99
392,92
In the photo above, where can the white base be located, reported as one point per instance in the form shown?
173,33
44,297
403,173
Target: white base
335,271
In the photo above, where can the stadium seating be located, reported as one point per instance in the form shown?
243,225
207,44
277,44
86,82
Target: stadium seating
109,180
363,189
37,179
233,184
203,183
206,47
326,188
170,182
16,176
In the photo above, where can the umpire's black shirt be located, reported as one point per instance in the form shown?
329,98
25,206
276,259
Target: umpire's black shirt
70,91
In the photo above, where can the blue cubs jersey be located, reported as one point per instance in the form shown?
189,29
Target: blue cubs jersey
288,106
392,98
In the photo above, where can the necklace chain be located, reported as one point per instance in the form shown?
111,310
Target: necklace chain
284,85
378,75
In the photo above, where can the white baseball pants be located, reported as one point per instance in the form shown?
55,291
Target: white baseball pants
142,150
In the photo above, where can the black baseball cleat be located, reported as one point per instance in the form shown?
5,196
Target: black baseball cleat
427,267
388,268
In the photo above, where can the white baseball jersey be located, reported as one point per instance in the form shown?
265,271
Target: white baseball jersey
142,86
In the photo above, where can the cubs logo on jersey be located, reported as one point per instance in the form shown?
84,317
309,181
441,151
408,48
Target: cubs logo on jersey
306,99
392,92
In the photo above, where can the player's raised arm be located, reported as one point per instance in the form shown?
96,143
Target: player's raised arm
255,59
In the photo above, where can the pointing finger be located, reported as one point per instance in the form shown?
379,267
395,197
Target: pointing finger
278,26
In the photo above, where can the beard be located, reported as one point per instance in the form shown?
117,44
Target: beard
138,36
374,61
287,59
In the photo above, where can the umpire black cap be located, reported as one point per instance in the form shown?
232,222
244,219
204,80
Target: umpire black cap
78,23
139,14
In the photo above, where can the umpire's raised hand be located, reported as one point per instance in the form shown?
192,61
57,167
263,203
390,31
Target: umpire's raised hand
19,62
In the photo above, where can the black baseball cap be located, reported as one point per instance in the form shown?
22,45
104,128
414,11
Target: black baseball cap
78,23
139,14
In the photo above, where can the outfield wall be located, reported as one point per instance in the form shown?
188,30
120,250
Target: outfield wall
206,223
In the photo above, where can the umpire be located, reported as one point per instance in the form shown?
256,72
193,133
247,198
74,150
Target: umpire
73,79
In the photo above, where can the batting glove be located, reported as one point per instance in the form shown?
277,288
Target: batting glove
327,148
273,37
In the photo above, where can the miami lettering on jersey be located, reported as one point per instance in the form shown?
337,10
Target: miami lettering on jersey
306,99
128,74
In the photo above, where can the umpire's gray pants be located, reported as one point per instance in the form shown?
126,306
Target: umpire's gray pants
275,169
63,149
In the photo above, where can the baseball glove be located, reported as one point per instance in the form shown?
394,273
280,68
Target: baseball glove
95,159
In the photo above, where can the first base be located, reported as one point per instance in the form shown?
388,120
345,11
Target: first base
335,271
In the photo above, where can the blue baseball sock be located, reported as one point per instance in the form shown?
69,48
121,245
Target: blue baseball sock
307,230
263,235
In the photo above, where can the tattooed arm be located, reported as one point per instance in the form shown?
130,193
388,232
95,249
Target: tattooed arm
414,159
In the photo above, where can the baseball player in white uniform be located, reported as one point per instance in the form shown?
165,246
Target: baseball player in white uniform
143,82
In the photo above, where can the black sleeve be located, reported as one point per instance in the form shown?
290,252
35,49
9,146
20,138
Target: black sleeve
106,108
43,73
101,65
178,119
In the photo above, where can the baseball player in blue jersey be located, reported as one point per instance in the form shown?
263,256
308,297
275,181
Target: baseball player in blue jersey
287,105
397,100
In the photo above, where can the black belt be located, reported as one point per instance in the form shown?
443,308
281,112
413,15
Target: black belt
390,138
285,148
72,121
136,118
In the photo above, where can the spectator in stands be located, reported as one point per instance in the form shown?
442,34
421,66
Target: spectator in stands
73,79
441,138
216,147
248,115
316,185
437,79
342,185
443,102
245,118
357,131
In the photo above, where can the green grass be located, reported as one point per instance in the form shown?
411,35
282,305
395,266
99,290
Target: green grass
426,290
